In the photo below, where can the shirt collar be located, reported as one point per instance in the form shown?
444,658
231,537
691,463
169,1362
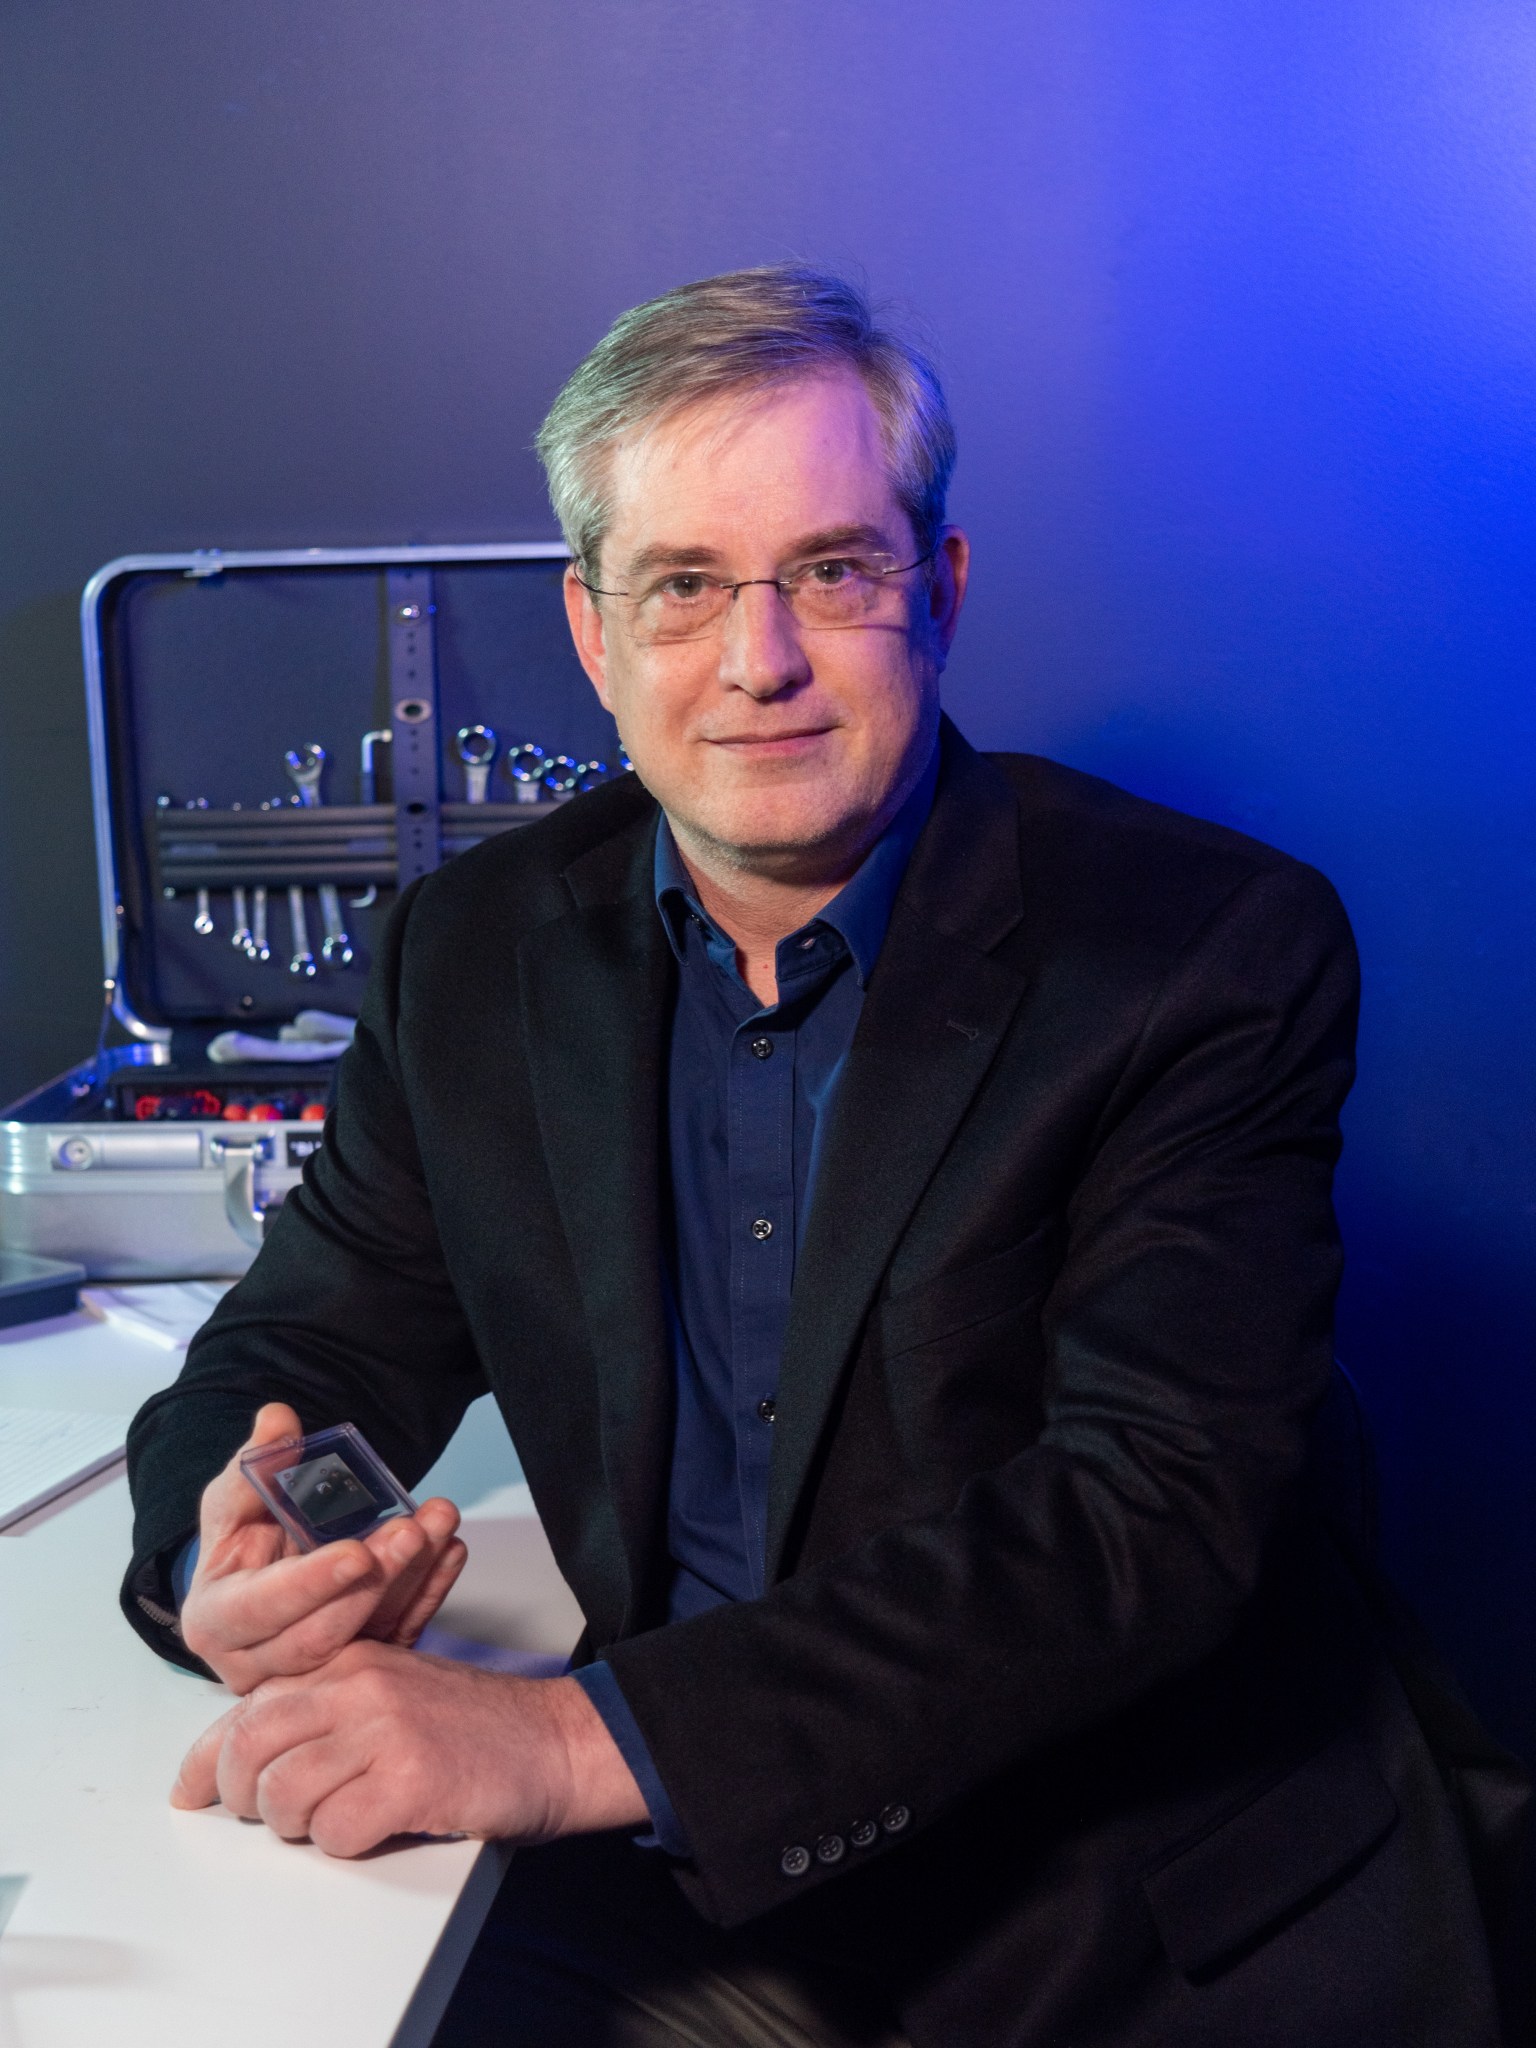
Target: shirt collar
860,911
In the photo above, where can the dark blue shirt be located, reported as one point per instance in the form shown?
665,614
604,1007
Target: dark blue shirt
749,1094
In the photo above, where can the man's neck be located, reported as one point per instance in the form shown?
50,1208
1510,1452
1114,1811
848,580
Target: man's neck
758,910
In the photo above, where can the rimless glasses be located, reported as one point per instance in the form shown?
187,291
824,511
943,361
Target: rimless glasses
835,592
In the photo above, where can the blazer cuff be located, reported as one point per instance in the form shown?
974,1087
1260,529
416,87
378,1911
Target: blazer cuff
183,1565
602,1689
152,1594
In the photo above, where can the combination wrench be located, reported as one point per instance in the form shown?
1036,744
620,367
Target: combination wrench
305,767
303,961
202,923
478,746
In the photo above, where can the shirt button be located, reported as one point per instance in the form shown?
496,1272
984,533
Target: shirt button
762,1228
830,1849
806,944
766,1410
862,1833
762,1048
795,1861
894,1818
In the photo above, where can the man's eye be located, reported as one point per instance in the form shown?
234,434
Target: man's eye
686,587
830,573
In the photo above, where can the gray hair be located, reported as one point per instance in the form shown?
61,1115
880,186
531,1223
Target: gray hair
743,330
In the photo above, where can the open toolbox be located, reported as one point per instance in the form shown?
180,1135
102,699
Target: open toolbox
280,742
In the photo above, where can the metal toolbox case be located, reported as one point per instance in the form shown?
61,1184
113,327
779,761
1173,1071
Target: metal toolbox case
280,741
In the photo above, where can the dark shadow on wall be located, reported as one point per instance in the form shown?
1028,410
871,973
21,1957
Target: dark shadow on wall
1438,1327
50,948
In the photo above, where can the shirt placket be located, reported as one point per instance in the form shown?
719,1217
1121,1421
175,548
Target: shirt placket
762,1203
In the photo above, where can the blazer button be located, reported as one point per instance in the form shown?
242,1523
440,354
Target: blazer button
795,1861
894,1818
830,1849
862,1833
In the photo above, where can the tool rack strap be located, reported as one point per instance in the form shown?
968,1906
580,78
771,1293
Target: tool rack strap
413,693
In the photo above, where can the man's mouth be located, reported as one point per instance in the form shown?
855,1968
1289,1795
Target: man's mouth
792,739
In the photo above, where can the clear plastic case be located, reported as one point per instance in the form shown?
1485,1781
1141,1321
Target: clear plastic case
326,1487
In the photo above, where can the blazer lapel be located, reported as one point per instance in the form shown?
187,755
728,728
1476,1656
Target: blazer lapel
595,987
937,1009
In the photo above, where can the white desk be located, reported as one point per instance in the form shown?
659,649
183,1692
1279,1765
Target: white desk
146,1928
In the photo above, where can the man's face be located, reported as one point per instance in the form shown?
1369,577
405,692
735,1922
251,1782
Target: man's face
772,746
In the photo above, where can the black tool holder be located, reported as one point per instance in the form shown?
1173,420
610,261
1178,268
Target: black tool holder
353,845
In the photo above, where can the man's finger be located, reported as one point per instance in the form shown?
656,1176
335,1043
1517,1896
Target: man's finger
289,1788
430,1595
354,1818
277,1720
431,1531
230,1502
255,1606
197,1781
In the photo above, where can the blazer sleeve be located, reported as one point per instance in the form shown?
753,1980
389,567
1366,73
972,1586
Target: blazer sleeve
1187,1337
348,1314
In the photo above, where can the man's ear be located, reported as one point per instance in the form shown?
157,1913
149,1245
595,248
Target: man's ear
947,586
586,623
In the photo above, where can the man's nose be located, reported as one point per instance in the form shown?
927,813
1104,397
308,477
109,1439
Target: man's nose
761,651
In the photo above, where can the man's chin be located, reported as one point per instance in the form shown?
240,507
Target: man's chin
788,846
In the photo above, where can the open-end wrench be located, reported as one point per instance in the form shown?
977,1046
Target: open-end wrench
303,961
305,767
478,747
240,937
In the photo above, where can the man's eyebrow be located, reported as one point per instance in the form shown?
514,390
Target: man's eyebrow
835,540
664,554
829,540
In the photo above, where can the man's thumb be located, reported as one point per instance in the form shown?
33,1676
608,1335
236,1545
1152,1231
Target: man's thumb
274,1421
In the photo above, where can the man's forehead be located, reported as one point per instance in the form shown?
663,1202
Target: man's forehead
777,464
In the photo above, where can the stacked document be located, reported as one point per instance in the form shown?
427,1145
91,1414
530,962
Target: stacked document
46,1451
165,1312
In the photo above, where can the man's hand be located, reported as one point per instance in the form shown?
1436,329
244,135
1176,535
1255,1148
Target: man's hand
258,1608
383,1742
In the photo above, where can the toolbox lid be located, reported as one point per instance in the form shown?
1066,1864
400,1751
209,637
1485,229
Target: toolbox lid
405,666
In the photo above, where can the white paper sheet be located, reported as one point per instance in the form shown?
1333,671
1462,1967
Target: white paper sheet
165,1312
45,1451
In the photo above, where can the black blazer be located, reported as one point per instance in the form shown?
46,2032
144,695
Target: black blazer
1051,1605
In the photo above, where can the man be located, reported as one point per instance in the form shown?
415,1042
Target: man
887,1191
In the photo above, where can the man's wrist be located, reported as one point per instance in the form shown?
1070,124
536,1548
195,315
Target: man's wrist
598,1788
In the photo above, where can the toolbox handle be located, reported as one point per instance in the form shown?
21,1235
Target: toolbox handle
240,1155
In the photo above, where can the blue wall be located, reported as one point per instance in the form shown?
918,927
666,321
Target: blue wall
1235,304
